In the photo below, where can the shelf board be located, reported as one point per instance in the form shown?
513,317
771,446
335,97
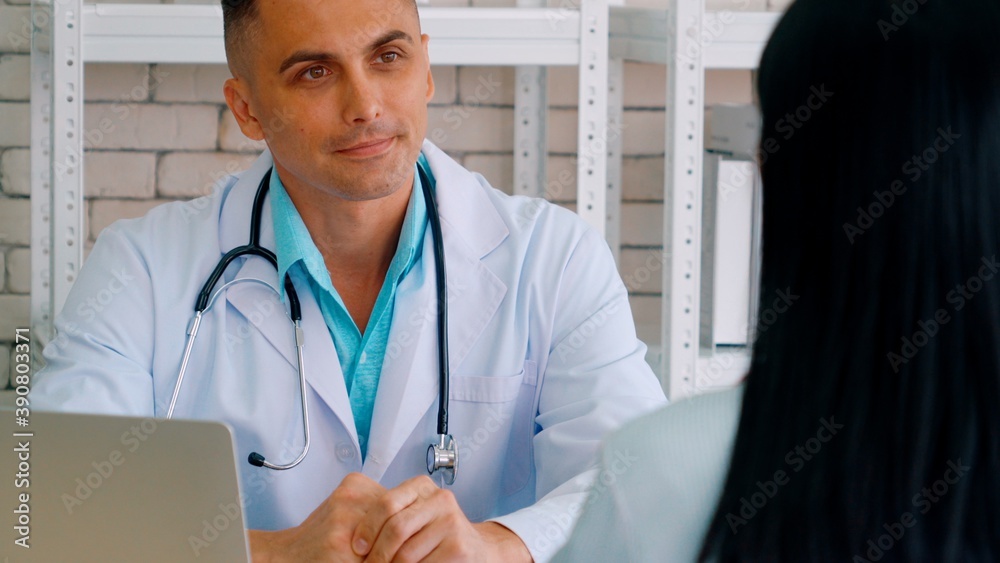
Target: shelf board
155,33
641,34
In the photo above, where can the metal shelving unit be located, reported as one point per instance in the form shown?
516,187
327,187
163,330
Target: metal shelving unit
688,41
528,37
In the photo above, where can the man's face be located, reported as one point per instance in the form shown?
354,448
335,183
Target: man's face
338,89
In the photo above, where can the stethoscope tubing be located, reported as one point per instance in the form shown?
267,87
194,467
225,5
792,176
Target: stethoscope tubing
207,297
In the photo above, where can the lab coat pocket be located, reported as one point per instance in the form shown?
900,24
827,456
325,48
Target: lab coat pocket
485,389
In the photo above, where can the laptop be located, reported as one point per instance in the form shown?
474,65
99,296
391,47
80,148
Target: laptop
105,488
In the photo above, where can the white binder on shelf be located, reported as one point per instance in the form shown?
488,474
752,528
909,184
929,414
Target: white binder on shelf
730,251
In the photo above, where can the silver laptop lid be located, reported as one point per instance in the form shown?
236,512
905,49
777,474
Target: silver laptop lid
102,488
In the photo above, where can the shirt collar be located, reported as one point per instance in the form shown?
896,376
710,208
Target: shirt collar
294,244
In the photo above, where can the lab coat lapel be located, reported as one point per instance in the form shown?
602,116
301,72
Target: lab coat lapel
256,303
408,385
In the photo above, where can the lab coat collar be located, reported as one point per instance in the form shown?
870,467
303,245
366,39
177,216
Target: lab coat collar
408,387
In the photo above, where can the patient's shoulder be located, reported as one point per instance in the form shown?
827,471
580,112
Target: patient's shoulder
700,423
667,470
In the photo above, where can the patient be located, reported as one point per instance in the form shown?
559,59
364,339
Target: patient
868,428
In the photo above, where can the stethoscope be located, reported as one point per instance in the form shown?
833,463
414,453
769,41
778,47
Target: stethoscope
442,456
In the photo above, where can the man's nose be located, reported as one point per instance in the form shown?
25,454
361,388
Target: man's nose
362,99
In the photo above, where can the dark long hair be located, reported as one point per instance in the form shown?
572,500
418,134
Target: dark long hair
876,393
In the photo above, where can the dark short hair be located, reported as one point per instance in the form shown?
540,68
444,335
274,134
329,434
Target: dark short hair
237,15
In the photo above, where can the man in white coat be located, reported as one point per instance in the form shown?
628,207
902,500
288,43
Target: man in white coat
542,347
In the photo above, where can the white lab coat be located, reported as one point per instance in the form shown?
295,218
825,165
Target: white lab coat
544,356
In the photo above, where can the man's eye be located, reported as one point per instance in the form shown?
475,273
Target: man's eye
315,73
389,57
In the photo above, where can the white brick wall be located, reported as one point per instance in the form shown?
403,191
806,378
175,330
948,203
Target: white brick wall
103,212
124,83
191,83
150,126
157,133
18,270
15,29
231,139
16,122
5,361
15,65
112,174
15,314
15,222
190,175
14,172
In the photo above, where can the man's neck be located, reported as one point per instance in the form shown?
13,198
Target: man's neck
357,239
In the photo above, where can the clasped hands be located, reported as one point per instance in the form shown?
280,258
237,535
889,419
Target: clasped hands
363,521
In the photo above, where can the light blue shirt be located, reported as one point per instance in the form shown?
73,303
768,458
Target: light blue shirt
360,355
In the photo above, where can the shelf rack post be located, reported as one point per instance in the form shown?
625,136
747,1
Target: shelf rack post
40,155
67,150
57,157
530,124
592,128
683,197
616,128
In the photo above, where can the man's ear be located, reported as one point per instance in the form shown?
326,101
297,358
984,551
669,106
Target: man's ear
425,39
237,93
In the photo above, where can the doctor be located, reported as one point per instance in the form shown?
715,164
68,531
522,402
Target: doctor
542,349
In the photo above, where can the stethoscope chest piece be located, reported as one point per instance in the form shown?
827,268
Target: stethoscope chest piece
442,458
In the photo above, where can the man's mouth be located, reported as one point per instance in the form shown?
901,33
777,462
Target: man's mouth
369,148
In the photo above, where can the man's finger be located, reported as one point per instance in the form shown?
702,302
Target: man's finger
399,530
388,505
357,491
424,542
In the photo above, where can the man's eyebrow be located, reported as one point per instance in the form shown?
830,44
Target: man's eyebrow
304,55
389,38
301,56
